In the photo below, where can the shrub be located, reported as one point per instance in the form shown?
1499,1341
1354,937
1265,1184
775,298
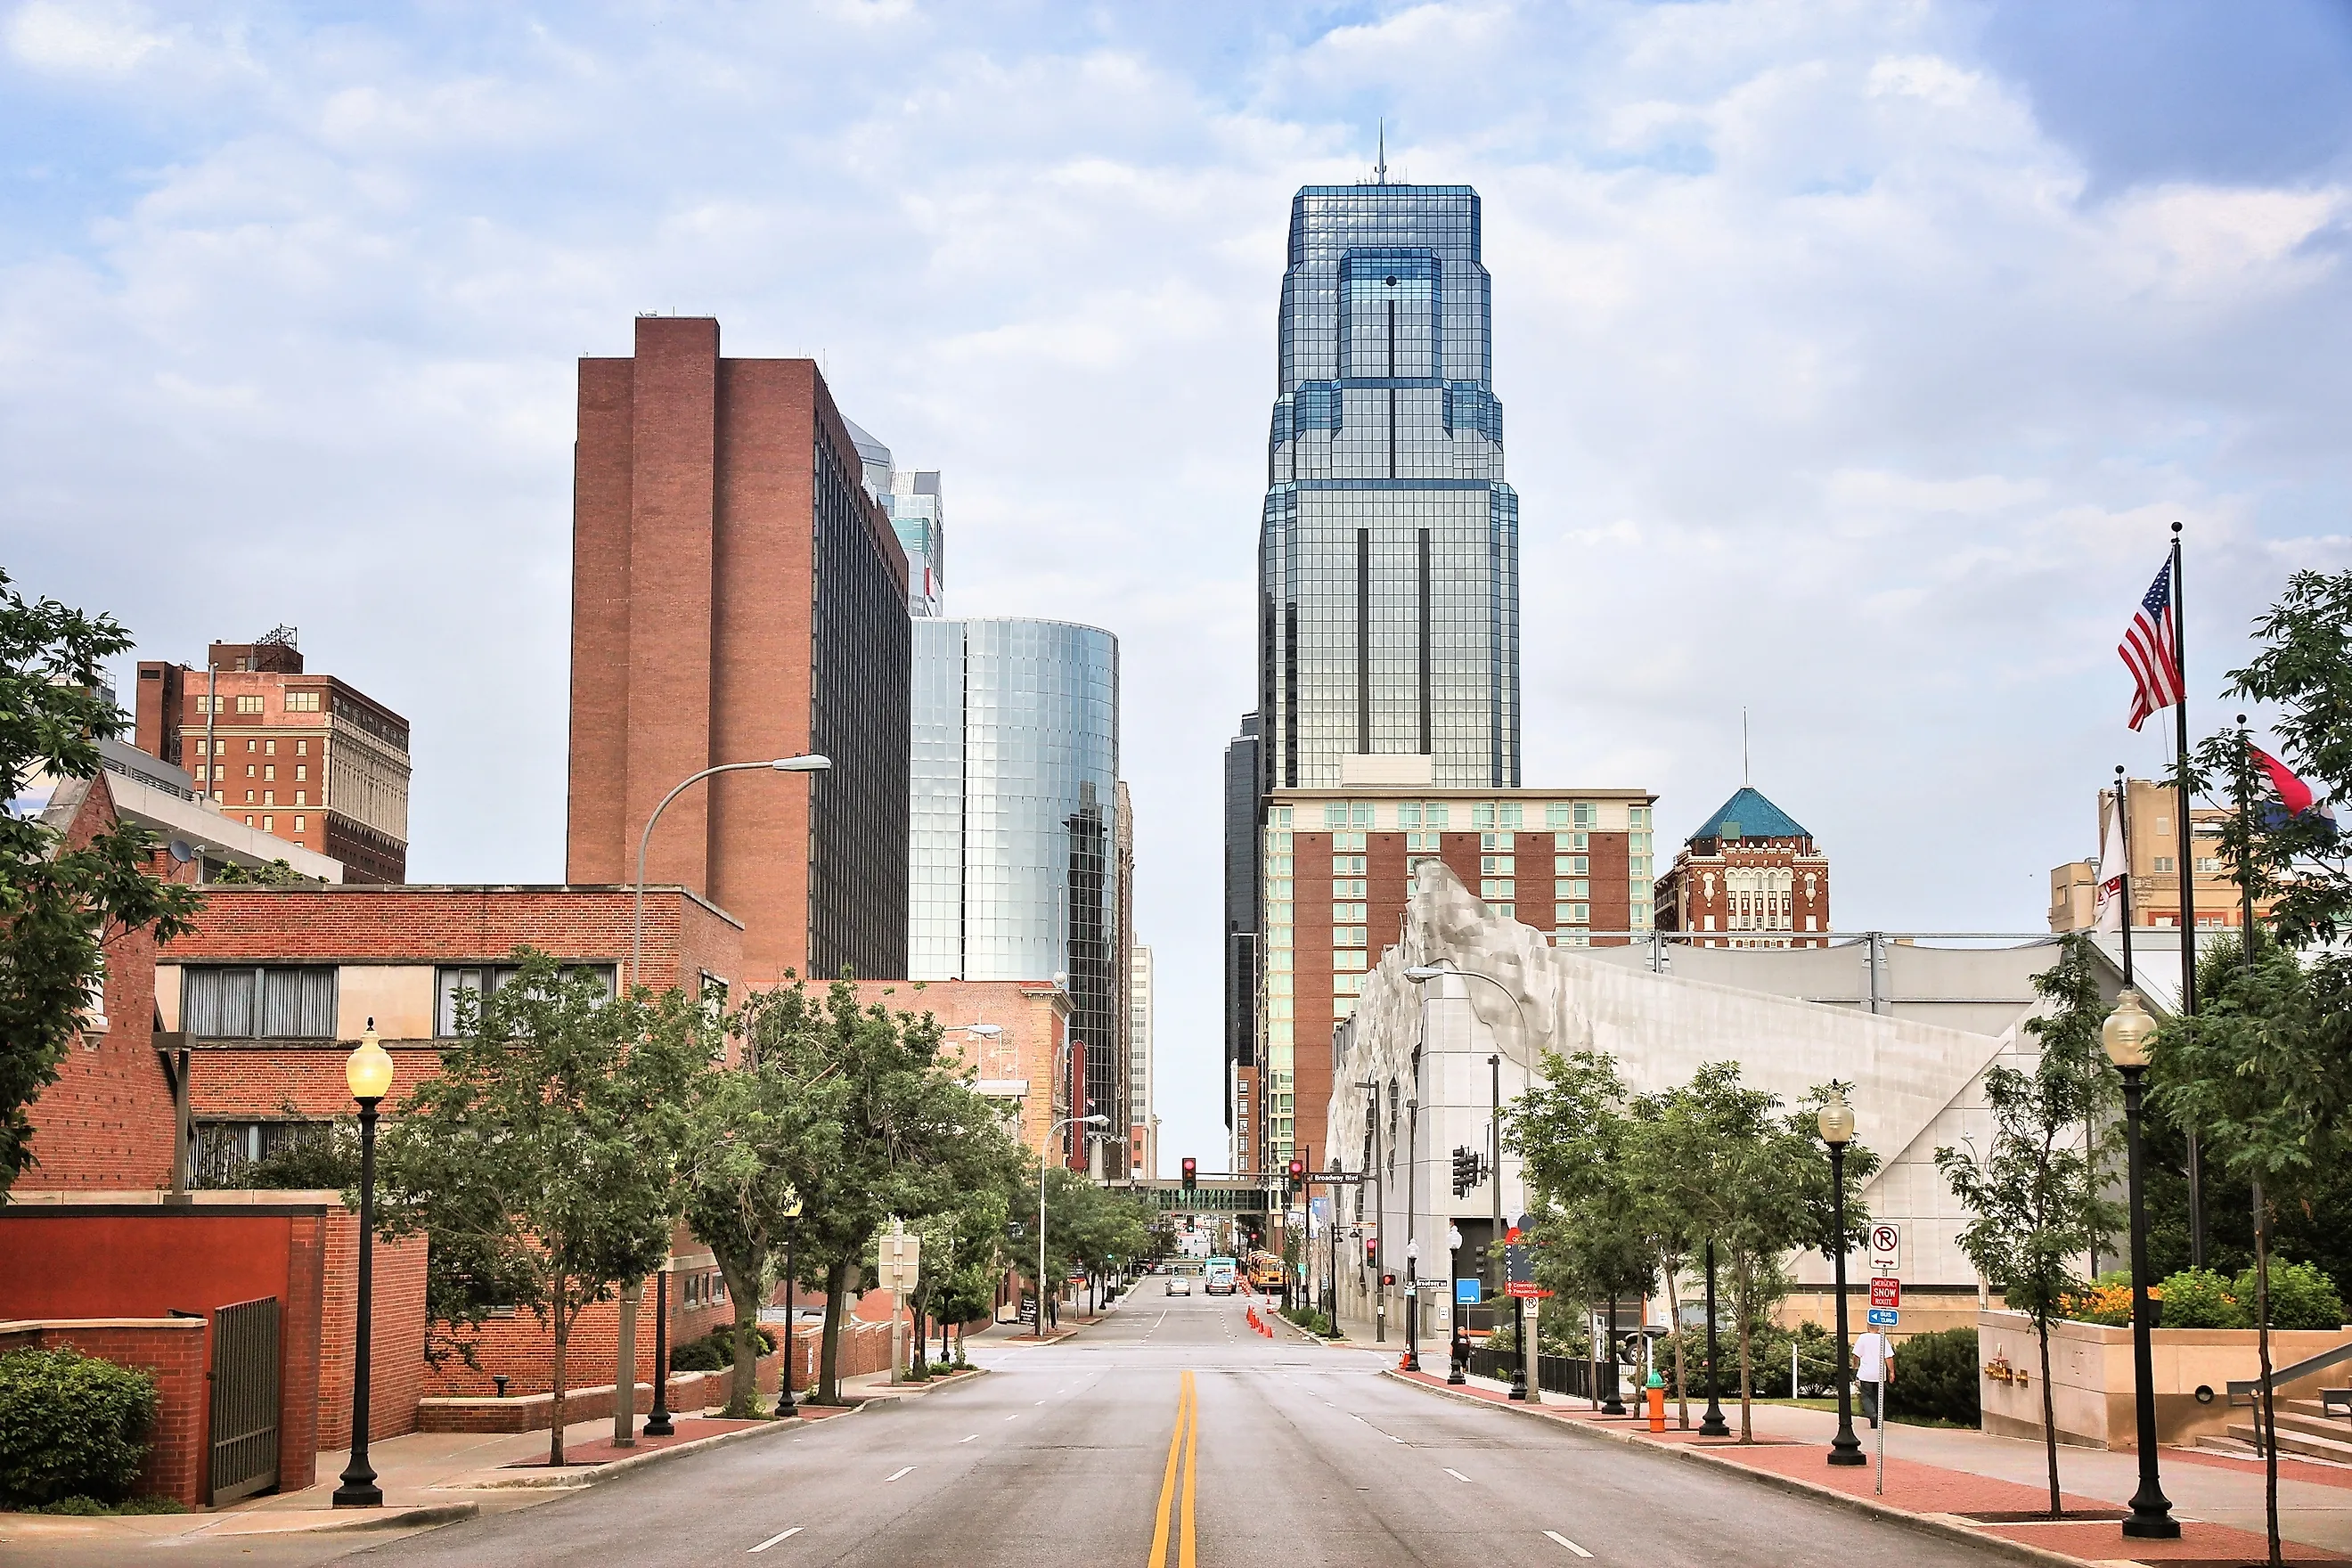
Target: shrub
2108,1302
2301,1297
1935,1377
2201,1299
714,1352
71,1425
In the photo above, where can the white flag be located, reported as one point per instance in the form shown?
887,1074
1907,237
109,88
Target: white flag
2112,868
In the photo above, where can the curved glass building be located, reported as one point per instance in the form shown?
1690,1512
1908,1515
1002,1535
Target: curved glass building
1389,555
1012,873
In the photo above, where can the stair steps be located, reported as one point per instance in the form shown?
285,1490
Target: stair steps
2303,1428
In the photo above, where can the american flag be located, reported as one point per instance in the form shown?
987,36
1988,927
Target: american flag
2151,652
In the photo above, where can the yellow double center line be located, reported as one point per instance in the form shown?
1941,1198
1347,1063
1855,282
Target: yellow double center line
1183,1444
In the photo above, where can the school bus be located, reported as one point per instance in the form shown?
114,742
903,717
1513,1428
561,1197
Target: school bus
1265,1271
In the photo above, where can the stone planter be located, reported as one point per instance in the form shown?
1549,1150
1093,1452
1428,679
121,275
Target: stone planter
2091,1371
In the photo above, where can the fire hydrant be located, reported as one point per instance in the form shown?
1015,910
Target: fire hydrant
1657,1393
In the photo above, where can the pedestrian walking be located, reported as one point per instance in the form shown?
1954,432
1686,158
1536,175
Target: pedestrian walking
1874,1364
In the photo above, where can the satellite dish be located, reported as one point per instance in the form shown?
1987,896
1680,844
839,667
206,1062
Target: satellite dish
182,851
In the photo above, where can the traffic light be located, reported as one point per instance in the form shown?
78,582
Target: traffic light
1192,1173
1297,1175
1371,1252
1469,1170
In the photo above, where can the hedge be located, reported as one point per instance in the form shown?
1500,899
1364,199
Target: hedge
714,1352
1935,1377
72,1426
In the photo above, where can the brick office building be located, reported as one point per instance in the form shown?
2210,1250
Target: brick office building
737,595
1337,870
306,757
2155,837
274,986
1752,871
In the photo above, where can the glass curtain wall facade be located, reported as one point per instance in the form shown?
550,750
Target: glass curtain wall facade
1389,549
910,498
1011,868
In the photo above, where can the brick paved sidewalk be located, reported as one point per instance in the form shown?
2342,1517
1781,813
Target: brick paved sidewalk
1946,1496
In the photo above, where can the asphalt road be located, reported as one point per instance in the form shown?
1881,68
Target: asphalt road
1170,1435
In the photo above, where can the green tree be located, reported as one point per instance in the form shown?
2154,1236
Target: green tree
60,904
747,1127
2035,1192
2264,1075
542,1154
275,874
912,1135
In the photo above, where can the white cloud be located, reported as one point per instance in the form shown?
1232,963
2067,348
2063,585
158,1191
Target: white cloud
1830,393
90,40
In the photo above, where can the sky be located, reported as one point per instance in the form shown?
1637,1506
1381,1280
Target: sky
1856,356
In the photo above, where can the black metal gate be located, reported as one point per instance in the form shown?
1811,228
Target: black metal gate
245,1399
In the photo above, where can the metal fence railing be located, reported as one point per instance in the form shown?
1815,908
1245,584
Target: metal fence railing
1568,1375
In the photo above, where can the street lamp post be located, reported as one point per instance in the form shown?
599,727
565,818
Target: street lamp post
368,1071
1044,1151
785,1408
1837,1131
2126,1036
1412,1305
1712,1423
658,1422
1454,1272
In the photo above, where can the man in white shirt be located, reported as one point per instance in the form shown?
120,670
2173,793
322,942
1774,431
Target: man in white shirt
1874,1360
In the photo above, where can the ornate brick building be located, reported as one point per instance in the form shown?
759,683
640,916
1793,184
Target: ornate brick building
1751,870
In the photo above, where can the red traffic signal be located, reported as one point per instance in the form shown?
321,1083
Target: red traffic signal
1192,1172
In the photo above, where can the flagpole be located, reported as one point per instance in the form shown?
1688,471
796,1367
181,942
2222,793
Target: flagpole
2187,890
2123,836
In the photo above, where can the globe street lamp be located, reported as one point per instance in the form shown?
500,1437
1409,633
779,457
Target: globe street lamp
368,1071
1837,1131
2126,1035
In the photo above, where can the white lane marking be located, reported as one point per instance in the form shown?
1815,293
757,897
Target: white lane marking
787,1535
1449,1470
904,1470
1564,1540
1015,1417
967,1439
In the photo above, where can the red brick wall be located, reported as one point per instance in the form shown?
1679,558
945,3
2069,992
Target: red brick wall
396,1370
426,924
106,1123
595,828
173,1351
524,1347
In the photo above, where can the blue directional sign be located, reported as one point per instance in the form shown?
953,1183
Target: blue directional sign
1465,1291
1884,1317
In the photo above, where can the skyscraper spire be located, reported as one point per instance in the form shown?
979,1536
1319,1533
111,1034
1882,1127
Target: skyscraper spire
1380,169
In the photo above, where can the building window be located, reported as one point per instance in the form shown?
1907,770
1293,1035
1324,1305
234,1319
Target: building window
1572,865
248,800
1637,816
1342,915
297,821
1507,911
301,798
301,702
241,1002
2163,864
224,1149
452,980
1348,958
268,748
1575,888
1278,818
270,797
269,824
1498,887
1424,843
1570,841
249,704
207,704
1571,938
1499,865
1350,936
1495,841
1572,914
301,748
270,771
1348,888
2209,863
1347,841
1348,864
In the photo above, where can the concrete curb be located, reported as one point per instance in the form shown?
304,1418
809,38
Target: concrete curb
423,1515
885,1393
1943,1525
567,1479
21,1528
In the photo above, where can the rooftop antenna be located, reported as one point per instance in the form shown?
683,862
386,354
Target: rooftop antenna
1743,748
1380,169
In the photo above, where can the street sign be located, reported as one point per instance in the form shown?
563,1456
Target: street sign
1526,1292
1885,1249
1887,1291
899,1257
1885,1317
1518,1266
1467,1291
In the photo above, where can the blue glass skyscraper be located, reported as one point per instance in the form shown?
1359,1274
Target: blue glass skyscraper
1388,641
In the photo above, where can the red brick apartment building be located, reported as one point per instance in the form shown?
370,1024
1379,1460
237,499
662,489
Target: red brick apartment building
306,757
1336,869
1751,870
737,595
